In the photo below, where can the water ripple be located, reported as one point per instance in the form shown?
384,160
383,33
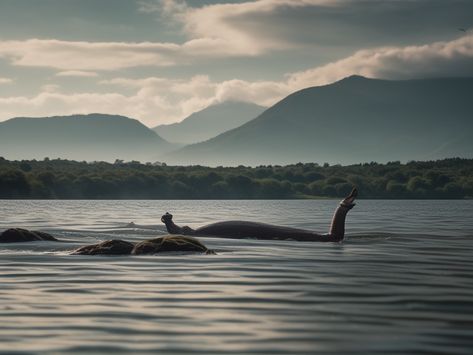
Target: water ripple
401,283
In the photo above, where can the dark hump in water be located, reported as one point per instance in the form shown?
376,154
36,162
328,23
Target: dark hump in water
109,247
170,243
247,229
151,246
19,235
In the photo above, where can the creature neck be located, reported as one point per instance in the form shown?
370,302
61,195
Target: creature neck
172,228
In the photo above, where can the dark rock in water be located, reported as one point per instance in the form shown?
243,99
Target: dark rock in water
18,235
170,243
109,247
151,246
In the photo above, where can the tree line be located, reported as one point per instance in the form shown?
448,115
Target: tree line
65,179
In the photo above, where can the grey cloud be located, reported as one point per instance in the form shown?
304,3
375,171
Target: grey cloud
345,23
438,59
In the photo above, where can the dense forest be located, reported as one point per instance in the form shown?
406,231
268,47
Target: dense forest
65,179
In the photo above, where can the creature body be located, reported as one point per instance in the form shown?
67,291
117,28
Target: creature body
256,230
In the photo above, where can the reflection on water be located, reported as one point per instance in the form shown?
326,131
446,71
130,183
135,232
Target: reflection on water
402,281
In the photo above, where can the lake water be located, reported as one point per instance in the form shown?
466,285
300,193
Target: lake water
402,281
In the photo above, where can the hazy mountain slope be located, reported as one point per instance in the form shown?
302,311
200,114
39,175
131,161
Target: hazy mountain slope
209,122
353,120
80,137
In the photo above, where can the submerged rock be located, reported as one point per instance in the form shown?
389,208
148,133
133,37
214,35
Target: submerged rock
109,247
19,235
170,243
151,246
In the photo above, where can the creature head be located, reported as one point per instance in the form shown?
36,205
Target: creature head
166,218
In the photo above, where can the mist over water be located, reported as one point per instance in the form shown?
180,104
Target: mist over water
401,281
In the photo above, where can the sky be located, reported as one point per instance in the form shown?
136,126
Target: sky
160,60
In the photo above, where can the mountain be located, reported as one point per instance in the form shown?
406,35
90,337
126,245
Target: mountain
79,137
350,121
209,122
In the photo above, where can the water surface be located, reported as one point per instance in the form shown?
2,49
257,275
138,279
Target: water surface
402,281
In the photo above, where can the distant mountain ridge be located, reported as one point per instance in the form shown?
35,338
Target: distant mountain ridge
79,137
209,122
353,120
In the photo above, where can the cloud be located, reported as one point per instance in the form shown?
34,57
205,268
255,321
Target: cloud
156,100
86,56
50,88
264,93
165,7
153,101
199,91
213,31
77,73
231,27
252,28
49,103
74,56
197,86
5,80
242,27
452,58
